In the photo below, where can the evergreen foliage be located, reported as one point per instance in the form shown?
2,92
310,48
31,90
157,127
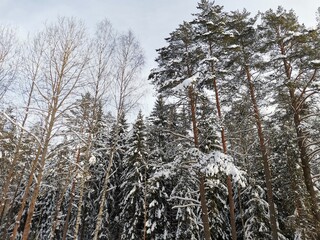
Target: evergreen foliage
143,178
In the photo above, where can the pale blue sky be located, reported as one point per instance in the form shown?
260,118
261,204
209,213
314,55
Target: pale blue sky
150,20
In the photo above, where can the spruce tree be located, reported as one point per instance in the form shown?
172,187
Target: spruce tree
134,183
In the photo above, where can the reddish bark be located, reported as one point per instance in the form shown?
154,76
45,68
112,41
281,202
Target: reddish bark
229,180
204,208
265,158
301,137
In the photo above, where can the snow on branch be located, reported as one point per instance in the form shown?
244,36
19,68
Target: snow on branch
185,199
214,164
21,127
186,83
218,162
186,205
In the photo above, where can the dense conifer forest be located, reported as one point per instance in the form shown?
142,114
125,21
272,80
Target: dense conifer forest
230,149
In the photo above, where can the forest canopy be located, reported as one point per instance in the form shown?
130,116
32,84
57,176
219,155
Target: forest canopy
230,149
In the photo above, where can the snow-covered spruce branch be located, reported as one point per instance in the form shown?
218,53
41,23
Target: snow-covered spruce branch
80,138
184,199
21,127
186,205
313,153
178,135
316,177
309,115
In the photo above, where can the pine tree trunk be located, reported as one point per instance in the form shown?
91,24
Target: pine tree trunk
295,190
204,208
229,181
301,138
265,159
305,161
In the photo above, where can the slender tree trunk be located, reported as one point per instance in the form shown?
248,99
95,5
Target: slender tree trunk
296,195
104,191
10,212
204,208
78,219
108,171
2,212
16,155
35,194
104,194
25,194
73,188
55,216
301,138
66,223
145,206
82,188
229,181
58,205
265,159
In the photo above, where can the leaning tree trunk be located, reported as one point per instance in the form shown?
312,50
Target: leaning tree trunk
265,158
52,119
203,202
11,210
16,156
25,195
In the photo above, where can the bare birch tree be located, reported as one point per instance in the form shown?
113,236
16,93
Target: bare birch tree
102,46
31,70
8,58
65,58
128,62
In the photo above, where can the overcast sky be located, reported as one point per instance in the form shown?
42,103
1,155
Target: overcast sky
150,20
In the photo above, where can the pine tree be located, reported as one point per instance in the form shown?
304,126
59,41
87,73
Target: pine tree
178,63
243,44
294,58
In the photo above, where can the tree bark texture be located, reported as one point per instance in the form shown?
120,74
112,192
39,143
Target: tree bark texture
229,180
204,208
265,159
